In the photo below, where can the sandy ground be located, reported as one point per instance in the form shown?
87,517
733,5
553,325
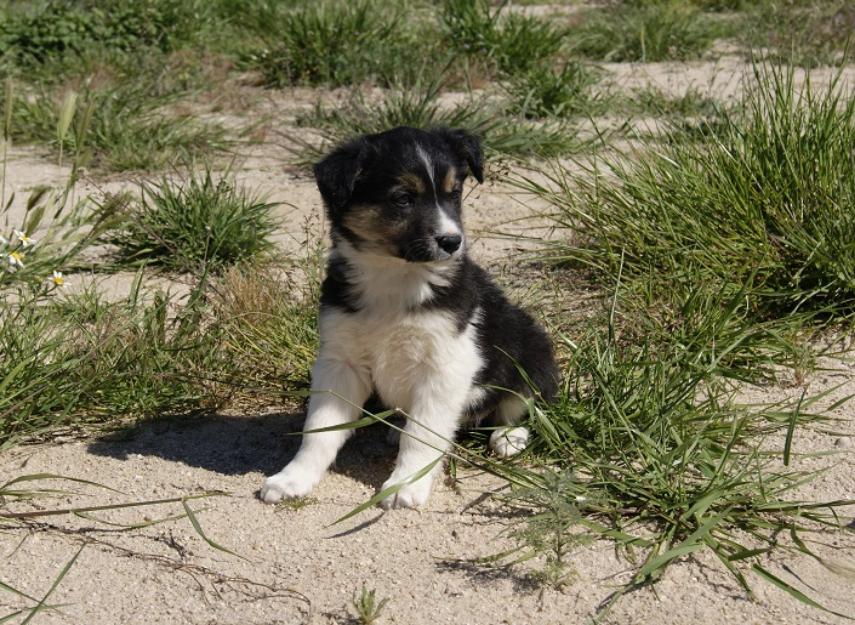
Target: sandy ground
293,565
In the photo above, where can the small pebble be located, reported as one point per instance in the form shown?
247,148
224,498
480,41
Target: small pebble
844,442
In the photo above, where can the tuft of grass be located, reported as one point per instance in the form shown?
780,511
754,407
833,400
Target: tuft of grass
545,92
515,43
808,33
268,320
332,44
649,32
503,135
69,364
116,127
197,224
77,359
56,29
653,101
70,359
665,461
82,360
368,608
750,204
552,529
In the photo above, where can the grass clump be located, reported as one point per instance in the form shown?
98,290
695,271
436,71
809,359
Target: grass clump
515,43
658,31
753,203
722,252
74,359
67,360
268,318
665,460
545,92
368,608
808,33
332,44
77,359
54,29
199,223
653,101
116,127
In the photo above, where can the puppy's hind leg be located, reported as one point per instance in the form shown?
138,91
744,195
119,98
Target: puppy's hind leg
338,392
509,439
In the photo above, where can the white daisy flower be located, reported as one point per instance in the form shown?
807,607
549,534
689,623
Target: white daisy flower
26,240
57,279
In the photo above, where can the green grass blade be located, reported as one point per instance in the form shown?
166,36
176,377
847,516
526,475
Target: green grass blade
8,588
351,425
791,429
198,527
41,604
386,492
794,592
53,476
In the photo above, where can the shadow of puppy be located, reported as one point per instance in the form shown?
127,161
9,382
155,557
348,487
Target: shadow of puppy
242,444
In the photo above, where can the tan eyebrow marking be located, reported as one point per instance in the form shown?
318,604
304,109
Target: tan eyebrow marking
412,182
450,180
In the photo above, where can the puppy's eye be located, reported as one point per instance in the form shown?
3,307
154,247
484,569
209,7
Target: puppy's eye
402,199
456,194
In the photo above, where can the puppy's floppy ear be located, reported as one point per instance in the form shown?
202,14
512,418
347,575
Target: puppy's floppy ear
468,147
337,173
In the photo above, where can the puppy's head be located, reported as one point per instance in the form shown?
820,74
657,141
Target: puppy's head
398,193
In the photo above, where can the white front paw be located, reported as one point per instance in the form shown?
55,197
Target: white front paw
408,496
507,442
289,482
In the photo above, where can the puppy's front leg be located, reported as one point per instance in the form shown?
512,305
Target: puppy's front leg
338,392
427,436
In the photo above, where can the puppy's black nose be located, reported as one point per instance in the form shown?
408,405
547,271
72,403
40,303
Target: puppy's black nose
449,242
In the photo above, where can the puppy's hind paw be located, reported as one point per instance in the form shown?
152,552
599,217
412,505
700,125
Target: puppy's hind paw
286,484
509,441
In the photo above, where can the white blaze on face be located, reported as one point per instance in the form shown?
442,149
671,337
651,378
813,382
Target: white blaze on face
428,166
446,226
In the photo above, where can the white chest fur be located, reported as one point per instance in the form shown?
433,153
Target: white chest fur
408,357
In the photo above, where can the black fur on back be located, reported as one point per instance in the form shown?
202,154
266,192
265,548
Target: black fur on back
508,337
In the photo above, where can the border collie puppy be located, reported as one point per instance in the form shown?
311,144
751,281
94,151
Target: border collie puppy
407,315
